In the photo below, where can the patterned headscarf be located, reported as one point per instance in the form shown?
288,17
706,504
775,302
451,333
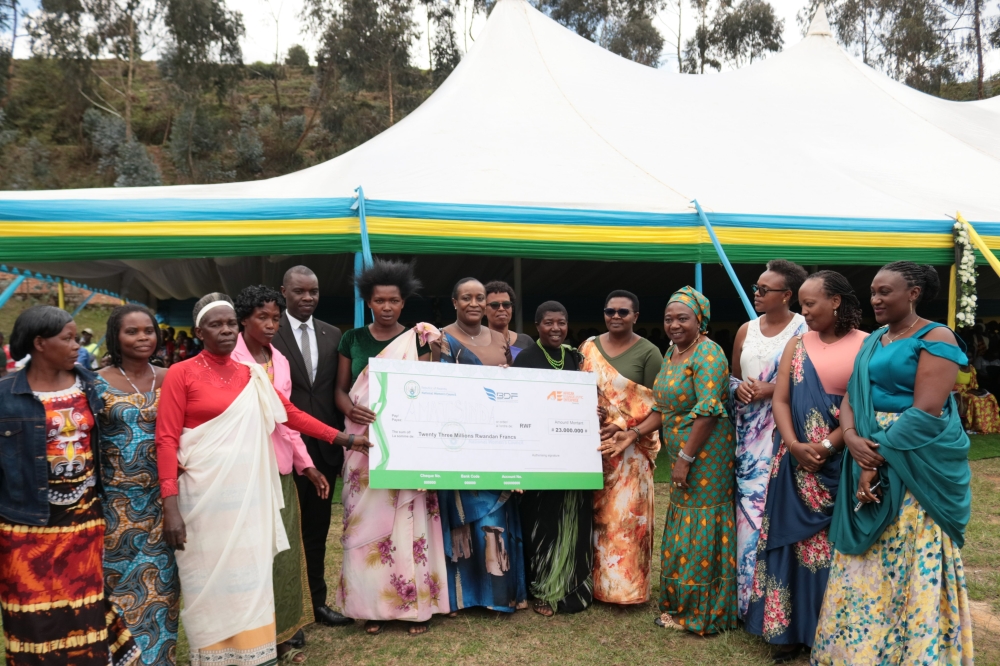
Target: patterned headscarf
695,300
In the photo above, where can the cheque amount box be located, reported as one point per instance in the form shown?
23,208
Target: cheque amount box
468,427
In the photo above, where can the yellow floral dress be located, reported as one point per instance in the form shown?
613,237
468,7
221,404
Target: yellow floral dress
698,552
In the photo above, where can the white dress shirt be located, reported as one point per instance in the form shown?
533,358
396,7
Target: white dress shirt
297,332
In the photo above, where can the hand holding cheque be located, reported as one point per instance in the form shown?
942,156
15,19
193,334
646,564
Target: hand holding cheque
464,427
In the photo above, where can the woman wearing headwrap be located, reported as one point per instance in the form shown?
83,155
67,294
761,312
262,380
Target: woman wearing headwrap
698,553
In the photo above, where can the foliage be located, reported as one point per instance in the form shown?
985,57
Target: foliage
126,158
297,56
965,314
134,168
624,27
746,32
445,55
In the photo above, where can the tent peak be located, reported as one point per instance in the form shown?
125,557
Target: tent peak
819,25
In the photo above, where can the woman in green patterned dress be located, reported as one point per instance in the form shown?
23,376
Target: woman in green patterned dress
698,554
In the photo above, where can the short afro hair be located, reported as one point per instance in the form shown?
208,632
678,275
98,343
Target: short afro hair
115,327
387,273
253,297
621,293
465,280
500,287
793,274
39,321
550,306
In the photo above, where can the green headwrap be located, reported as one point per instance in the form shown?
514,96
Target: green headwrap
695,300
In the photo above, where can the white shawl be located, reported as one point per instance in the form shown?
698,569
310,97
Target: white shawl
230,499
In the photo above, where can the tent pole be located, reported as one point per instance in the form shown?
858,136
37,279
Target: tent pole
82,304
61,291
359,304
725,261
362,259
518,298
697,278
11,288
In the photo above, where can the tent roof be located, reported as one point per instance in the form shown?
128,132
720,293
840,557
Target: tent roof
544,144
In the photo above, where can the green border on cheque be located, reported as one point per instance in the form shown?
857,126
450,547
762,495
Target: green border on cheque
401,479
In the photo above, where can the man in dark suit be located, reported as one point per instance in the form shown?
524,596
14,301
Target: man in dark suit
310,346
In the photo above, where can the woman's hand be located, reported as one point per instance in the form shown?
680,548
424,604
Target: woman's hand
679,473
318,480
174,531
807,456
868,479
620,441
864,451
361,415
602,414
361,444
744,392
608,430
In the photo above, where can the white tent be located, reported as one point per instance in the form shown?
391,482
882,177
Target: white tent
809,148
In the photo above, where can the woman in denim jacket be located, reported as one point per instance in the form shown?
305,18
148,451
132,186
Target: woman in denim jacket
51,519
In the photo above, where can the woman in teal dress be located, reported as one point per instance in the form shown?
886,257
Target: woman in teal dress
698,553
896,593
140,573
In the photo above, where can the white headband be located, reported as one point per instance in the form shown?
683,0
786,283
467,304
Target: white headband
213,304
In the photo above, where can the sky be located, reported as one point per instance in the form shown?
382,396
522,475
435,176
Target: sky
274,25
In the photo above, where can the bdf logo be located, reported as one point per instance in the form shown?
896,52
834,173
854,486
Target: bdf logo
565,396
500,396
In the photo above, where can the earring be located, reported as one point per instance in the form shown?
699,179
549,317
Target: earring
784,302
835,312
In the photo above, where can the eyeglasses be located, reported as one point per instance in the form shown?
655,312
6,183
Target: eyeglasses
496,305
621,312
762,290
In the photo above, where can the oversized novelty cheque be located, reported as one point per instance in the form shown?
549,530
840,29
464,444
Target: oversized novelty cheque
469,427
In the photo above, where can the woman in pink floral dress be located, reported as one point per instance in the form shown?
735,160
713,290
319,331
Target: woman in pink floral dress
793,552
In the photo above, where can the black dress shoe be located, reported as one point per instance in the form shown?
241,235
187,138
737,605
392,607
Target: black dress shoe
298,641
331,618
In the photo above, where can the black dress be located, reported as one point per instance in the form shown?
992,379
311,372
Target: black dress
558,526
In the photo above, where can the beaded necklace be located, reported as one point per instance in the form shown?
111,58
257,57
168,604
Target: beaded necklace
556,365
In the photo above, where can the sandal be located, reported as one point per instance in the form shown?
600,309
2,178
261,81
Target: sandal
667,622
418,628
373,628
293,656
786,654
542,608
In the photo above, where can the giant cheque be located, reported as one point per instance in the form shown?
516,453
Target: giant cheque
471,427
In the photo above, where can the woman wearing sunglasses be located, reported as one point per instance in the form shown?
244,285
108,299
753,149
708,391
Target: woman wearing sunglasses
626,366
756,356
500,304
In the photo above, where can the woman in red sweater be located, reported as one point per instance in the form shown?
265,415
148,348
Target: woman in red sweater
214,425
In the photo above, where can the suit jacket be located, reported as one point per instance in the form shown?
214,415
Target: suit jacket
315,397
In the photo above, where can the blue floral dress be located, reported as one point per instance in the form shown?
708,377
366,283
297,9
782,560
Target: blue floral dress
140,572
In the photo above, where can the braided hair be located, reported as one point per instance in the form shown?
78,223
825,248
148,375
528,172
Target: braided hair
849,312
915,275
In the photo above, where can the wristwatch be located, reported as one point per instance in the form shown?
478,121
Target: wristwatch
684,456
828,445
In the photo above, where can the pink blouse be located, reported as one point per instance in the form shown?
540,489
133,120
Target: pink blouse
834,362
288,445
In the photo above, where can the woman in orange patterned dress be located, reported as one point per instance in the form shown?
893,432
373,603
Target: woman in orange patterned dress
52,593
626,366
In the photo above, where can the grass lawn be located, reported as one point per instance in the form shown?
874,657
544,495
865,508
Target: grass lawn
604,635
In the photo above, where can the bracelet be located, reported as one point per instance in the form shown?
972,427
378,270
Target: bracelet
851,428
635,429
685,457
350,441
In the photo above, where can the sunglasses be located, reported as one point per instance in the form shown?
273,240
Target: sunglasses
762,290
621,312
496,305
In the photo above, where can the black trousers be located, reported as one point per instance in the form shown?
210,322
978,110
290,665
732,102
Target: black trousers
316,513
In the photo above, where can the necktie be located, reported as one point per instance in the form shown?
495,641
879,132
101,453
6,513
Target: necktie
307,353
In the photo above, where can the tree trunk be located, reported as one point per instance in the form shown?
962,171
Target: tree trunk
128,86
10,65
430,53
977,19
392,116
194,112
680,63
